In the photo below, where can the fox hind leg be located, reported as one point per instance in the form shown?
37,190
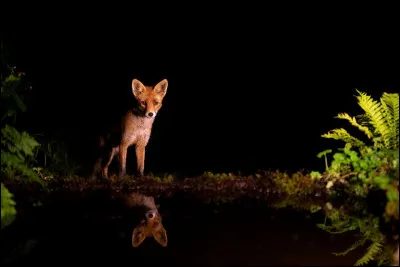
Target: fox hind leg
104,170
96,168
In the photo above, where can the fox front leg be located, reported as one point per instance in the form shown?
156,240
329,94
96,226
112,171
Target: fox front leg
123,150
140,154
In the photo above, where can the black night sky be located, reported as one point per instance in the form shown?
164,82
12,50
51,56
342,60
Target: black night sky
239,99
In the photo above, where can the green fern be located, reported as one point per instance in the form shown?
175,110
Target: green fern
382,116
368,227
8,210
343,135
390,104
380,123
20,144
17,149
354,122
373,250
356,244
385,258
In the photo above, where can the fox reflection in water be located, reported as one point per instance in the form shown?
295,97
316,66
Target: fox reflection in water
150,221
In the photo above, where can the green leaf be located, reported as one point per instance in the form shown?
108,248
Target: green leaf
315,175
364,165
8,210
392,193
362,176
353,156
339,157
374,249
320,154
381,181
343,135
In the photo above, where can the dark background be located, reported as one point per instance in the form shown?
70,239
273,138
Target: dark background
240,97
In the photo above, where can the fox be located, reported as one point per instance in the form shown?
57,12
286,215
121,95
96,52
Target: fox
151,224
135,129
147,217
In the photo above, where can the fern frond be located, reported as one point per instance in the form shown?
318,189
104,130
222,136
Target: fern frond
386,257
374,249
354,122
343,135
357,244
339,226
390,104
363,120
375,113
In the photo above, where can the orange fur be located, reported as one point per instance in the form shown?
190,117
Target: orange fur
136,127
151,226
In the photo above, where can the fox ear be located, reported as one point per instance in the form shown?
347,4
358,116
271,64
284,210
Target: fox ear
161,87
138,236
160,236
137,87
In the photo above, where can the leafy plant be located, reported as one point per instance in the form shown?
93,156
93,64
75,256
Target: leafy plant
165,177
368,227
364,169
362,166
323,153
380,123
218,177
365,166
12,90
295,184
8,211
17,148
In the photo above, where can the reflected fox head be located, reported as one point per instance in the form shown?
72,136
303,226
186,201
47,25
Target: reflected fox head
151,226
149,98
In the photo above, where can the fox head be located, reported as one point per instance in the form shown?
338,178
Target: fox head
150,227
149,97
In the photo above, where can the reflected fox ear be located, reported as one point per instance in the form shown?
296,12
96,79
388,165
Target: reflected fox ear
137,87
160,236
138,236
161,87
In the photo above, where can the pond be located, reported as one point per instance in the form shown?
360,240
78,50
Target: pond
91,228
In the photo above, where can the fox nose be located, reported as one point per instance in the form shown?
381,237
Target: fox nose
151,114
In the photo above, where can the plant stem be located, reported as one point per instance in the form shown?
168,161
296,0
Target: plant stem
326,162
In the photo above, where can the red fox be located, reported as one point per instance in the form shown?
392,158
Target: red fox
151,225
150,222
135,129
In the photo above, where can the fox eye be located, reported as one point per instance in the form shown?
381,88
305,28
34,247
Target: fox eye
143,103
156,102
